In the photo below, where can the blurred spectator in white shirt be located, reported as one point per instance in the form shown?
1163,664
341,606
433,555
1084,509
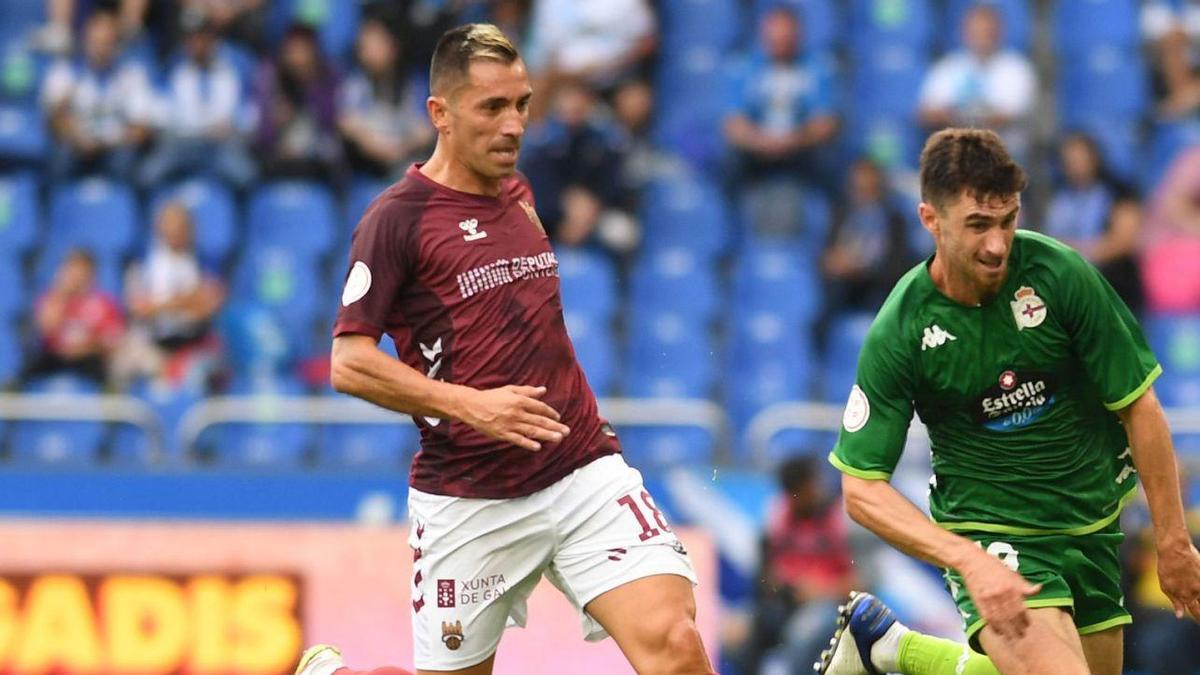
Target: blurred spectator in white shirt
199,115
99,108
382,115
982,85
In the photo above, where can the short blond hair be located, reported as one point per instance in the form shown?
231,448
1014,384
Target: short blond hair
458,47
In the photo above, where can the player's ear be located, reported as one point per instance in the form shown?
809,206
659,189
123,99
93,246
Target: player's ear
929,218
439,113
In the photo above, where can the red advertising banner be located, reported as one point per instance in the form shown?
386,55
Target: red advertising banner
136,598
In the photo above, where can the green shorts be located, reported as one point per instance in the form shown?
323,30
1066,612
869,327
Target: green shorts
1080,574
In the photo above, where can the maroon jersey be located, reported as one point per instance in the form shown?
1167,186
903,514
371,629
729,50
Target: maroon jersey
467,287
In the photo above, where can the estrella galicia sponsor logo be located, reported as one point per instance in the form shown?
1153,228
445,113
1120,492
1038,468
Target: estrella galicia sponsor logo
1017,400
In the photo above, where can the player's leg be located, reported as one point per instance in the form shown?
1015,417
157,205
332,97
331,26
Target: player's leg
653,621
1050,646
327,660
1105,651
620,563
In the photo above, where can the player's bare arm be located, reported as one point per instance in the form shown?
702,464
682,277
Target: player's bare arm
512,413
998,592
1178,560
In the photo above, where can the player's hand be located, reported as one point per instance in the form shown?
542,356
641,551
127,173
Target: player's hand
999,594
1179,577
515,414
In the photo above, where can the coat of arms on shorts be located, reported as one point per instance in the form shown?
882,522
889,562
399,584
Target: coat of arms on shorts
533,216
1028,309
445,592
452,635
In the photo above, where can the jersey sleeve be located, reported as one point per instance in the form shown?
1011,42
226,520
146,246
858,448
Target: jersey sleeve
379,265
879,410
1107,338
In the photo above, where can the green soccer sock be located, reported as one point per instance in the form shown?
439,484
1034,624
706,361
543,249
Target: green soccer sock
928,655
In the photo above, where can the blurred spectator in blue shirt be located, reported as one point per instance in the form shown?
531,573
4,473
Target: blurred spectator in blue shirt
99,108
868,245
1097,216
297,107
382,118
572,161
781,126
199,115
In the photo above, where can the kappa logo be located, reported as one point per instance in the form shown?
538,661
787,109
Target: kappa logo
471,227
935,336
1028,309
452,635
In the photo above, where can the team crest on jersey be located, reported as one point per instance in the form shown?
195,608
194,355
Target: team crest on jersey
452,635
533,216
1028,309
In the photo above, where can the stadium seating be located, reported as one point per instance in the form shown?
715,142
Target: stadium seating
20,219
97,214
677,280
1016,16
686,24
1079,24
11,354
293,214
1102,81
821,21
595,348
1176,342
886,22
336,22
685,211
368,447
263,445
588,282
23,136
845,339
778,279
669,354
662,448
58,443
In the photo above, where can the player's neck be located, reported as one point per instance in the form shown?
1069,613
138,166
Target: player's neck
958,287
443,168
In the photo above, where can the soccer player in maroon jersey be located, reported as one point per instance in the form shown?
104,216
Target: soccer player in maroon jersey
518,476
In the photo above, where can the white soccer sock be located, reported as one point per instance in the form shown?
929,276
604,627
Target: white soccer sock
887,648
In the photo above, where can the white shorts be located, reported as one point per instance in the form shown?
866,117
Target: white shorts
476,561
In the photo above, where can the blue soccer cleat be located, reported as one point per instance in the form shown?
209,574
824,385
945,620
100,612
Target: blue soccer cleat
860,624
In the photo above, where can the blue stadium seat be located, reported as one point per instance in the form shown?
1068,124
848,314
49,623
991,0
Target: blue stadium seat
21,17
375,447
588,282
692,89
880,22
255,339
15,297
299,215
20,217
58,443
97,214
282,280
662,448
685,211
1175,340
1120,143
11,355
595,347
676,280
1079,24
170,402
260,444
769,359
687,23
214,214
22,133
892,140
669,354
1016,16
779,279
845,339
821,21
1166,142
887,80
362,192
1102,81
791,442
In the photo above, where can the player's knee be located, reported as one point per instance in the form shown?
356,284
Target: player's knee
678,648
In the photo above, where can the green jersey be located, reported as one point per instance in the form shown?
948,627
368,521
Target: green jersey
1017,395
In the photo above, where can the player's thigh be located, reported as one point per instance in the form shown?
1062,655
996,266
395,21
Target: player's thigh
1049,646
1105,651
653,621
475,563
484,668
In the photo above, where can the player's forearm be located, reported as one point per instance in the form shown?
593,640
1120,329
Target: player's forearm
389,383
880,508
1154,459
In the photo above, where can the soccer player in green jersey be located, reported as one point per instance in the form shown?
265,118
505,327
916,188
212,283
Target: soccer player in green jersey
1034,381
